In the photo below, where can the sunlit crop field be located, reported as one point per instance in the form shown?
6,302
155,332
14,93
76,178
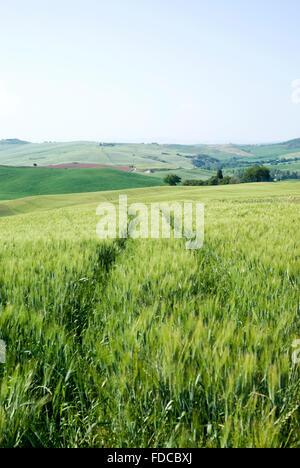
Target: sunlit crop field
140,343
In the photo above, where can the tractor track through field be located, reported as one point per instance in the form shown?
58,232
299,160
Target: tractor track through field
80,307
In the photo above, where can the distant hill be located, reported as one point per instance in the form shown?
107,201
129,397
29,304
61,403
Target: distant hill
26,182
153,158
13,141
292,144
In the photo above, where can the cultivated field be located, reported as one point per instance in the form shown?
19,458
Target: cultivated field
141,343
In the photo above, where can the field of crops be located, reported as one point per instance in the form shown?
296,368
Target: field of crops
140,343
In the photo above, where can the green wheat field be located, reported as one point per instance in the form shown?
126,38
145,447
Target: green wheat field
141,343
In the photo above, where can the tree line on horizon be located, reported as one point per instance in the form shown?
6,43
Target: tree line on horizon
252,174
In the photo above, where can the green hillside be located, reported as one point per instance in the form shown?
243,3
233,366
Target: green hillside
202,160
27,182
141,156
273,151
235,193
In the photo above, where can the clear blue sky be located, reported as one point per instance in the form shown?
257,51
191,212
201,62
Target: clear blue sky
150,70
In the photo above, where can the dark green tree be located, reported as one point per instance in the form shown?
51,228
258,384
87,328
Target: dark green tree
172,179
220,174
257,174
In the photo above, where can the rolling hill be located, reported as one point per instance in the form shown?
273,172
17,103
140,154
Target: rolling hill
26,182
202,160
236,193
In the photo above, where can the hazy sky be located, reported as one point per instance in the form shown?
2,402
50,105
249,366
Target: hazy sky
150,70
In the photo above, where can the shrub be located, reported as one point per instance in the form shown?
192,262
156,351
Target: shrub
225,180
194,183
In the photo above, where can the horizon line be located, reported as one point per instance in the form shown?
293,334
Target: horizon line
152,142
